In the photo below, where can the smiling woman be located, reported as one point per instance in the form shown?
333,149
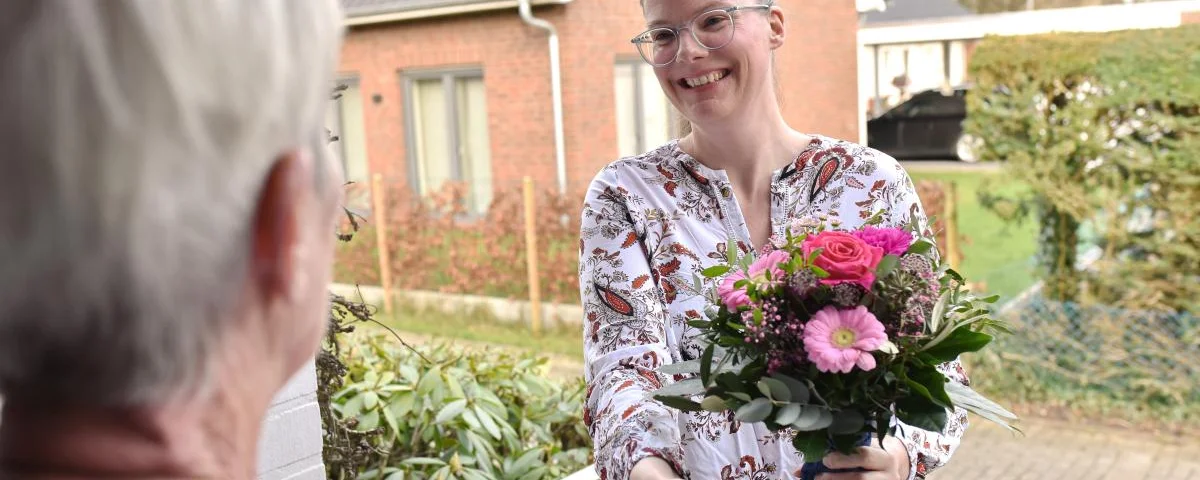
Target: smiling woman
735,180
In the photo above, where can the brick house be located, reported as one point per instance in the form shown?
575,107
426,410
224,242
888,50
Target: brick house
461,89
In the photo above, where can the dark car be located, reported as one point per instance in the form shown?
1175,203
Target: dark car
929,125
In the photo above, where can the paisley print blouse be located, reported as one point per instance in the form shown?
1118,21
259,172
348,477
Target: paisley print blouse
650,224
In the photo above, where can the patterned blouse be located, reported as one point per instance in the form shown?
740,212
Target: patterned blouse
650,224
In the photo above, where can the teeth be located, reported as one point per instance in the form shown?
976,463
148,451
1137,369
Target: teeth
704,79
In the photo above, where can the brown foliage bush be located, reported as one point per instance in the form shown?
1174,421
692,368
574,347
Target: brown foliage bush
435,244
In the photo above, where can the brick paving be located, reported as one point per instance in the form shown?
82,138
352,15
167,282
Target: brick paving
1052,450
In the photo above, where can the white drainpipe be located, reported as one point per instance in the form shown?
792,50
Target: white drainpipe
560,156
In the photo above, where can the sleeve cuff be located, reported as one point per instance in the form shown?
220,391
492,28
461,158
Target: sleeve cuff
673,456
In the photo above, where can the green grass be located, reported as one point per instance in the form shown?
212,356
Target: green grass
484,328
994,252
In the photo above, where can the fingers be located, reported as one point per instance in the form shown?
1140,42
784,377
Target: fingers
868,458
856,476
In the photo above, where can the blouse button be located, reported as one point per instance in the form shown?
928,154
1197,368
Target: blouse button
726,192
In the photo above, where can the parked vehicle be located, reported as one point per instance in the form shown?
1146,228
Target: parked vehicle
929,125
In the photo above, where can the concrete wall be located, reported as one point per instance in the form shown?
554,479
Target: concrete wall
290,447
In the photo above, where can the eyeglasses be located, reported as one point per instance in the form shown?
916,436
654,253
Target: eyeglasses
712,30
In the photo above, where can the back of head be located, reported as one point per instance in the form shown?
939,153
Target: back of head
136,136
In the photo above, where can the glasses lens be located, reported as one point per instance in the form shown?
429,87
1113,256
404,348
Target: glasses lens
713,29
659,46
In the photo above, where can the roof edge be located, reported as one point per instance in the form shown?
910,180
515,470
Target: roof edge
431,12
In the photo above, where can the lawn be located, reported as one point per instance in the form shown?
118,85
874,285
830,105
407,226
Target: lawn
994,252
484,328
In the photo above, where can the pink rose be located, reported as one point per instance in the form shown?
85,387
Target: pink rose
847,258
893,241
734,297
769,263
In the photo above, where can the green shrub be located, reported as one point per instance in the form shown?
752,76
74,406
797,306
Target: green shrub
438,412
1105,129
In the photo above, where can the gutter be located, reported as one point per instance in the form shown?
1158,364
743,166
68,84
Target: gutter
560,159
443,11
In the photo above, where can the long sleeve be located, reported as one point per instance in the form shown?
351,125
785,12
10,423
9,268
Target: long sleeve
927,450
624,336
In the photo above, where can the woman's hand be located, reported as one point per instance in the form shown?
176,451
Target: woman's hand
653,468
889,463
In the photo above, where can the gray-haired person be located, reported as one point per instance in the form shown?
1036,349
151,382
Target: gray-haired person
167,208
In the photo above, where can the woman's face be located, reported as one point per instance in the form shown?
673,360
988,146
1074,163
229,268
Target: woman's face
723,84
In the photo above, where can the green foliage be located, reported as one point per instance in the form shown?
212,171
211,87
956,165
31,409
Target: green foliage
1105,130
458,414
1097,362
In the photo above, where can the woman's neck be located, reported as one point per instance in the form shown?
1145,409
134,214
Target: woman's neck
748,152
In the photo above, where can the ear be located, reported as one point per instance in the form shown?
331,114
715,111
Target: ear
276,227
778,32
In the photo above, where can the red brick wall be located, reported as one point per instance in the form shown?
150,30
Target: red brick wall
817,73
1190,17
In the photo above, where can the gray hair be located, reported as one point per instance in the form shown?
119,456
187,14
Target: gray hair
136,137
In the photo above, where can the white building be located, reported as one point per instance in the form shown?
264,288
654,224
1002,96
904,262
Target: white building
916,45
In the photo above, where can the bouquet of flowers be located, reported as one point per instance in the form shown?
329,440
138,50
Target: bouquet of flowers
832,334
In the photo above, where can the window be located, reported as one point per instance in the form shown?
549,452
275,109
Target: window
345,120
644,119
447,134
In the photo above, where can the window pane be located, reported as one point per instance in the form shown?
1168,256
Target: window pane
432,138
474,150
626,103
353,136
656,109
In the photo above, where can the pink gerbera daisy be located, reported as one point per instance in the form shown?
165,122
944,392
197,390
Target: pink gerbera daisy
837,340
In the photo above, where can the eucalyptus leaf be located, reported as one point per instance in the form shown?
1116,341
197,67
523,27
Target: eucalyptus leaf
683,388
799,391
788,414
813,417
687,367
755,411
775,390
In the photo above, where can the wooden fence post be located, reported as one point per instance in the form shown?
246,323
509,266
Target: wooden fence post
950,205
531,258
385,261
